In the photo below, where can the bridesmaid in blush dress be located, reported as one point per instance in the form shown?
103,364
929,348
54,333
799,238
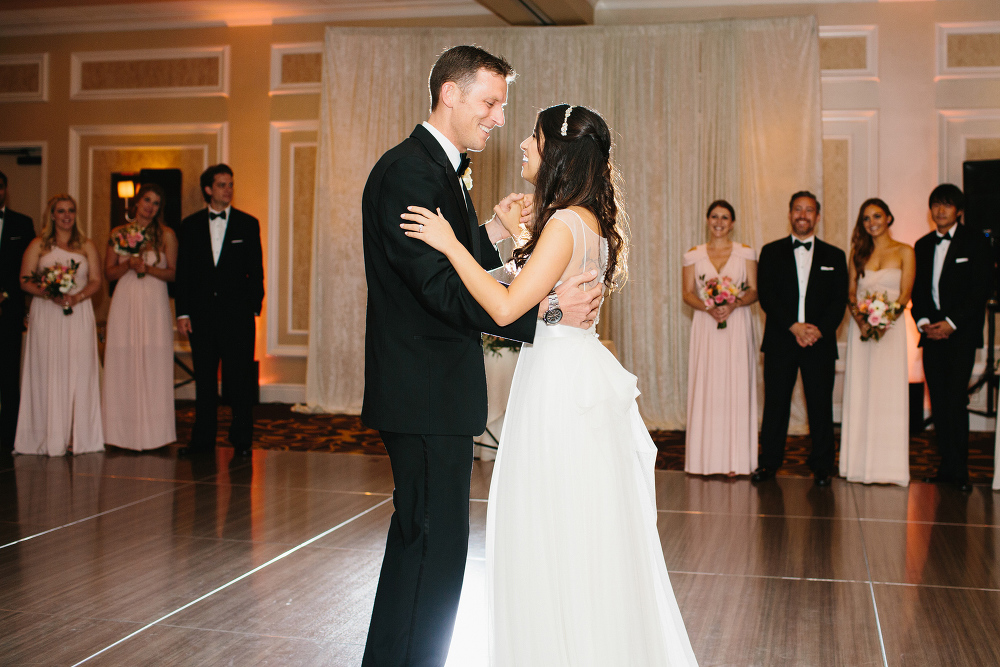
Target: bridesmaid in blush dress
875,436
138,401
60,407
722,363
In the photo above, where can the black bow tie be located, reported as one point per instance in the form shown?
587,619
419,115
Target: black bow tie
802,244
213,216
939,239
463,164
2,211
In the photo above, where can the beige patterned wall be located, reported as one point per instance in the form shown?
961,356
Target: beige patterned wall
169,73
304,158
836,218
843,53
20,78
986,148
974,50
301,67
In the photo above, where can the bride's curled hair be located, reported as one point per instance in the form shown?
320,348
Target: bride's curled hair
576,170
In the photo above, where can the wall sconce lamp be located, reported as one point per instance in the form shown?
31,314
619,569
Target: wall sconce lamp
126,190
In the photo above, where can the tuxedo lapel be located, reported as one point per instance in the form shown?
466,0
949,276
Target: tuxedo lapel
227,237
437,154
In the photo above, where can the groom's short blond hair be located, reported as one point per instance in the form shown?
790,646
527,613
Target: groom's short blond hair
461,64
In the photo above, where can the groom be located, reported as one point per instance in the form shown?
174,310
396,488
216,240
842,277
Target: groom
425,384
802,283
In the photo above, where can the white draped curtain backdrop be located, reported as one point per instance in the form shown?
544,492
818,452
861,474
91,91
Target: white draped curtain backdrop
700,111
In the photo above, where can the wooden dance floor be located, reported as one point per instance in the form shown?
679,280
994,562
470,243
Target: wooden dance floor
144,559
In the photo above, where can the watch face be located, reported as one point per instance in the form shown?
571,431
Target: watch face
552,316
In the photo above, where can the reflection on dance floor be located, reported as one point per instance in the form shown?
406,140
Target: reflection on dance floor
143,558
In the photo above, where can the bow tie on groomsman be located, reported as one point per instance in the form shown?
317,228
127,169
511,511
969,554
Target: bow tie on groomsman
2,211
802,244
212,215
941,238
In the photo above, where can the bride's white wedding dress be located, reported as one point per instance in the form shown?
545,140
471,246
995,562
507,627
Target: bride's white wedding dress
575,570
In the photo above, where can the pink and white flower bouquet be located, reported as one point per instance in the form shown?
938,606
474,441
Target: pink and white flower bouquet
879,312
127,241
720,290
56,280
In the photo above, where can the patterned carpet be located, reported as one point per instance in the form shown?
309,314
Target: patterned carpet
277,427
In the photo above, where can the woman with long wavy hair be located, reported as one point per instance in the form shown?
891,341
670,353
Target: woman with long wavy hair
138,403
60,407
875,437
575,570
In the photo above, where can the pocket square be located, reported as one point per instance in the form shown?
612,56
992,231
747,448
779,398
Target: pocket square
237,241
826,268
960,260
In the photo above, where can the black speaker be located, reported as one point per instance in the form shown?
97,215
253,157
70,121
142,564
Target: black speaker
981,183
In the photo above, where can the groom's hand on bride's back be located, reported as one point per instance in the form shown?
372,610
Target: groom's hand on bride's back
579,307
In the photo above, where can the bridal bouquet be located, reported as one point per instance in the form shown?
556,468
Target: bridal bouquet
129,240
56,281
720,290
879,313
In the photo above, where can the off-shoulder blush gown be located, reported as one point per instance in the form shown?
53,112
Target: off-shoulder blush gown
722,378
875,432
60,387
139,361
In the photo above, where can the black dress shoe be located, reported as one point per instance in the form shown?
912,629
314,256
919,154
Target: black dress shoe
936,479
821,479
241,452
189,451
762,475
964,487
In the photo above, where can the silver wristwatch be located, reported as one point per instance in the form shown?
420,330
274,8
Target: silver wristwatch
554,313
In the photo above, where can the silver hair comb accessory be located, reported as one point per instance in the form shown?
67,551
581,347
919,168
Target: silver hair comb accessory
563,129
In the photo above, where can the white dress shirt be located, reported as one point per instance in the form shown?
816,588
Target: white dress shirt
217,230
803,265
3,210
450,150
940,252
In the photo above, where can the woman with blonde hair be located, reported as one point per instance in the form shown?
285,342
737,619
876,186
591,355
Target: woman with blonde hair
60,395
138,404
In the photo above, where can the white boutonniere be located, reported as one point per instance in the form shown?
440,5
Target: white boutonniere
467,177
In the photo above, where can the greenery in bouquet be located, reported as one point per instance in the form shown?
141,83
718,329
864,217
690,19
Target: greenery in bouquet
56,280
495,345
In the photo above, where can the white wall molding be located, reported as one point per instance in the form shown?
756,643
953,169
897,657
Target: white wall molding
78,58
955,127
278,51
78,132
943,30
275,198
870,33
41,94
860,130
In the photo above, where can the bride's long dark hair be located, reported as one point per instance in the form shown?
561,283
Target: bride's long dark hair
576,170
862,243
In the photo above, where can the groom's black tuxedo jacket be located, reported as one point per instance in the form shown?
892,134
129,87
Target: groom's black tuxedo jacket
233,286
424,369
778,290
18,232
963,288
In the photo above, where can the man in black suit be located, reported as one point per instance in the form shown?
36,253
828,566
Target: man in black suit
219,291
802,283
425,384
16,232
953,281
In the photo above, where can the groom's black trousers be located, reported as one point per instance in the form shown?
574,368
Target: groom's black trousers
424,564
948,370
781,369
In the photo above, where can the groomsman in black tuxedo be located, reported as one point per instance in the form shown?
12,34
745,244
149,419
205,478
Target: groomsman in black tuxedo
425,384
802,283
16,232
954,279
219,291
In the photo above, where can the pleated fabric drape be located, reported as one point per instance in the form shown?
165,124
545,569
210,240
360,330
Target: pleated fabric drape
701,111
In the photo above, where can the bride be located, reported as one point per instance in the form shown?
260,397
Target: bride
575,570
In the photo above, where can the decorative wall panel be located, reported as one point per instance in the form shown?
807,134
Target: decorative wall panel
968,50
24,77
180,72
965,134
296,68
290,234
849,52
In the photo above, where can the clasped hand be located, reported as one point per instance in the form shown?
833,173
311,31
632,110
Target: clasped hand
805,334
137,263
722,312
938,331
